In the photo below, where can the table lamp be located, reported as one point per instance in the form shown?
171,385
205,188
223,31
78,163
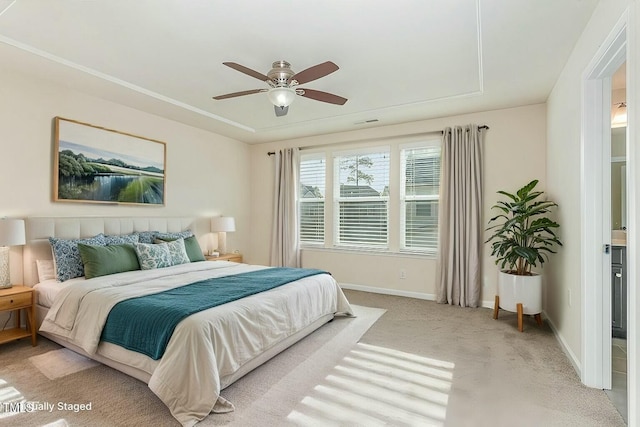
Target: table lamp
11,234
221,225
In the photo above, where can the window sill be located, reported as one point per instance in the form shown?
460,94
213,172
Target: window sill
363,251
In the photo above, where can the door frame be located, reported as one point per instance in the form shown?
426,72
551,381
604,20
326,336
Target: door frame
596,214
595,369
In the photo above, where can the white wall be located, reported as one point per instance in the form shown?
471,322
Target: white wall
206,174
564,108
514,155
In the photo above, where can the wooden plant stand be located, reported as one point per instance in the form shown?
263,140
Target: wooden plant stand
496,309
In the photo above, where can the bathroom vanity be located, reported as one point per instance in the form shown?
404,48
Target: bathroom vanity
618,292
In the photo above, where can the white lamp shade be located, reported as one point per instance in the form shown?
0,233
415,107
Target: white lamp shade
223,223
281,96
12,232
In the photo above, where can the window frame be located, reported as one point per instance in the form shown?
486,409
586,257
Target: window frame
301,200
338,199
395,197
404,198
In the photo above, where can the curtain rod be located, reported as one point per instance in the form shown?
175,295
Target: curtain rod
272,153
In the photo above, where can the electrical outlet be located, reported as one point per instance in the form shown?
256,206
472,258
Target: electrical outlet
403,273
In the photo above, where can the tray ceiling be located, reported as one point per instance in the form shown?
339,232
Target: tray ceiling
399,61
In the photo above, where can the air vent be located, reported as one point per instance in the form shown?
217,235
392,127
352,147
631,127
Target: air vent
366,121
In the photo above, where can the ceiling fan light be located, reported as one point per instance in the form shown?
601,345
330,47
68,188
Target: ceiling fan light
281,96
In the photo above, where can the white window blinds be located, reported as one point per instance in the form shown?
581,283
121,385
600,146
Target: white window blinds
420,188
312,193
361,198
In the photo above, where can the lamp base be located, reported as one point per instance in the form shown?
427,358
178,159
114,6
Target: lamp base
222,242
5,275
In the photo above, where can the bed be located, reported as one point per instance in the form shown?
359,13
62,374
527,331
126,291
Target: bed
209,349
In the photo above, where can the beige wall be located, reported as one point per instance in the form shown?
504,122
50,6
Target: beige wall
564,108
207,174
514,155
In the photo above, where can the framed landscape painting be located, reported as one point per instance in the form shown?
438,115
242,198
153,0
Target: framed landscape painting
99,165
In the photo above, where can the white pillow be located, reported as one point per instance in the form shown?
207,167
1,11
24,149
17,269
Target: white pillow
46,271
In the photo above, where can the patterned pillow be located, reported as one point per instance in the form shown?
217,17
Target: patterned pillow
67,257
191,245
173,236
122,239
146,236
153,256
177,250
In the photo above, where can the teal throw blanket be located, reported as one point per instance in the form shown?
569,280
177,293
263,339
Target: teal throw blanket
145,324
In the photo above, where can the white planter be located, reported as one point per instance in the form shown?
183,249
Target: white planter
526,290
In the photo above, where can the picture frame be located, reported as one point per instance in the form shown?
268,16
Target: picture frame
94,164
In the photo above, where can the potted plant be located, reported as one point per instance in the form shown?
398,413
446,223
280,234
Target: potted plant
523,237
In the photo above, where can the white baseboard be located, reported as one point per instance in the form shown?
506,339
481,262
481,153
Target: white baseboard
565,348
399,293
387,291
486,304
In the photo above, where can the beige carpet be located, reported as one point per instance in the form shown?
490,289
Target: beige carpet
60,363
118,400
419,364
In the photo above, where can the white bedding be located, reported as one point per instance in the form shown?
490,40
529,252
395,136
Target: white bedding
47,290
223,338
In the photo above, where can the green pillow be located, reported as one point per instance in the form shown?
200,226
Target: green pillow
103,260
190,244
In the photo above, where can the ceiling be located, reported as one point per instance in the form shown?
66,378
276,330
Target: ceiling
399,61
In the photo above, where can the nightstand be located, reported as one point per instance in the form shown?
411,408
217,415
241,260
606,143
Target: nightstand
16,299
225,257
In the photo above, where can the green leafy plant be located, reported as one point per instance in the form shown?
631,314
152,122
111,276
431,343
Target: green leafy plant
523,235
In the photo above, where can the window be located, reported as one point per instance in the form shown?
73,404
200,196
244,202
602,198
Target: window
361,198
378,198
312,193
420,189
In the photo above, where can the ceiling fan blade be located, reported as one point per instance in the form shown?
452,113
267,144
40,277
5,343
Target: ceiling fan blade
281,111
234,94
247,71
315,72
323,96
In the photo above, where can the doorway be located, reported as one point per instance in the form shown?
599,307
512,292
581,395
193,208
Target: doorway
595,261
619,283
596,212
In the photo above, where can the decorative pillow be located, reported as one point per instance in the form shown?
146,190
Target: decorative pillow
153,256
173,236
177,251
194,252
146,236
122,239
45,269
67,257
110,259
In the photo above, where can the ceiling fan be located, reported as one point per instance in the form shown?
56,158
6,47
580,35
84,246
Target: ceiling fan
283,84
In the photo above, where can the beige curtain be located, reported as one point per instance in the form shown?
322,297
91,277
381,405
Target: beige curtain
459,267
285,237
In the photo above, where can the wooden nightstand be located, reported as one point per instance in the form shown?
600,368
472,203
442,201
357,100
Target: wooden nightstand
225,257
16,299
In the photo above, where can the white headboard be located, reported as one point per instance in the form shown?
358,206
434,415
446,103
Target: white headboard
39,229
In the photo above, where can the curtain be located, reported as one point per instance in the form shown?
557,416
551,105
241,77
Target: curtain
285,238
460,240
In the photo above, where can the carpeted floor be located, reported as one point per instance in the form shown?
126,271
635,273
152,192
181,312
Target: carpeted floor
419,364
